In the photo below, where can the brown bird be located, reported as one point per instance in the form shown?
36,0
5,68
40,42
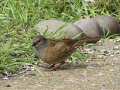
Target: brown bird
53,52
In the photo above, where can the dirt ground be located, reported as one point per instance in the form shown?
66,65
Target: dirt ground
100,72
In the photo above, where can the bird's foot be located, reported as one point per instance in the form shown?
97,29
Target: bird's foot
58,65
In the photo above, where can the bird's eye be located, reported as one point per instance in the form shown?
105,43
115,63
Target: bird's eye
38,40
41,41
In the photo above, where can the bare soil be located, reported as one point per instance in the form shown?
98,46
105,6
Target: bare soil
100,72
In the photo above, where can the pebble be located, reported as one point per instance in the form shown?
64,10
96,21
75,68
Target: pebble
118,40
116,48
112,55
117,52
5,78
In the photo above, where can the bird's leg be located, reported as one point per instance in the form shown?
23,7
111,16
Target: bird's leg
51,66
57,66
